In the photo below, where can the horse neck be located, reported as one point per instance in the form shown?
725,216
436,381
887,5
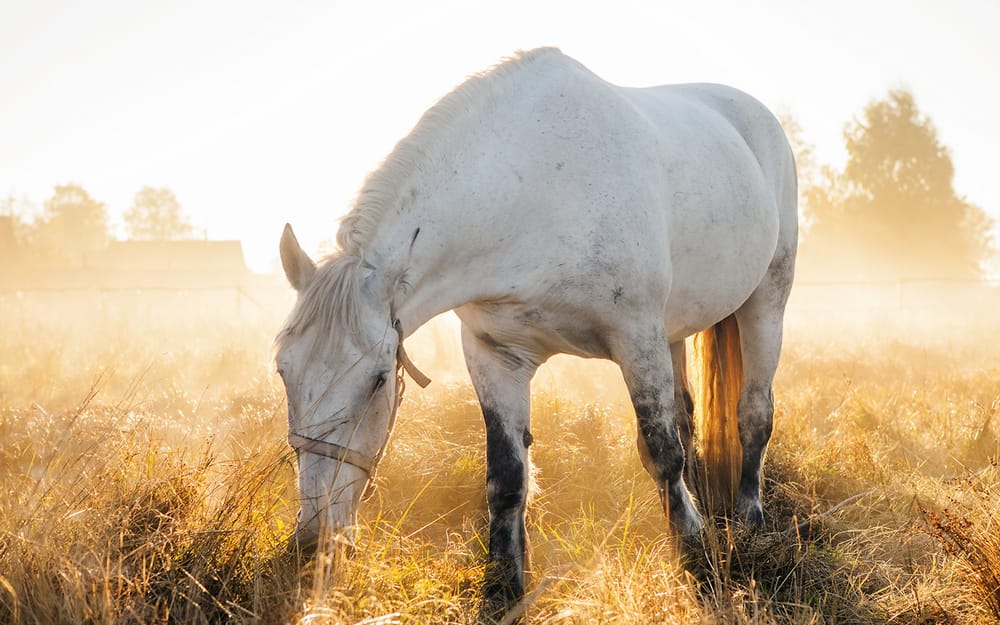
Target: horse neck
439,241
435,257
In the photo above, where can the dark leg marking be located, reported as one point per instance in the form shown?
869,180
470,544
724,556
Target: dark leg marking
506,491
646,363
502,381
666,457
756,412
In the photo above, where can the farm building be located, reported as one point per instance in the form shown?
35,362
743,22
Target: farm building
157,282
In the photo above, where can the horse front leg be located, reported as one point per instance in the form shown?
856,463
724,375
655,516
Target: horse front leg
502,382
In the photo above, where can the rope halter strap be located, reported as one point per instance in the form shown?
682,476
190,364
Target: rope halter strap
404,361
331,450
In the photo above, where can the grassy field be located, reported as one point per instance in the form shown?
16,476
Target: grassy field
146,480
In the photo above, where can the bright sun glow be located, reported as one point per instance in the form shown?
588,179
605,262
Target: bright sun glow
255,115
147,412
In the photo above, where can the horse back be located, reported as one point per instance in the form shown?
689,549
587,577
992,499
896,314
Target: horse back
665,200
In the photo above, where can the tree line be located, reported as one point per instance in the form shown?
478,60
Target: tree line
891,213
72,222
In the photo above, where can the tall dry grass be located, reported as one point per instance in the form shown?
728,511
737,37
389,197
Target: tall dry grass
146,480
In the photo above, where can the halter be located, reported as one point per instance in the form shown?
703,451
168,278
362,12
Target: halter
354,458
331,450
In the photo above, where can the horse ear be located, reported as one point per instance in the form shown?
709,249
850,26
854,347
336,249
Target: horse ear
299,268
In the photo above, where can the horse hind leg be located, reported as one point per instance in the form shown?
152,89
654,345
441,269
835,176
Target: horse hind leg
684,413
646,364
760,327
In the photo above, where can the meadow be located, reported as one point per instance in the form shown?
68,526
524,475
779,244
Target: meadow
146,479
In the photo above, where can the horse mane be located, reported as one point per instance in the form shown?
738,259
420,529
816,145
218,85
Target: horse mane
331,299
383,189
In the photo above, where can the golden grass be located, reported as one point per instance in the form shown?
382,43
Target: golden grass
146,480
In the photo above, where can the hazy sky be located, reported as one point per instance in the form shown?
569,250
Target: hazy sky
257,113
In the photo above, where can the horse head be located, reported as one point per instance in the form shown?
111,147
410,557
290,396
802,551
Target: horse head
339,356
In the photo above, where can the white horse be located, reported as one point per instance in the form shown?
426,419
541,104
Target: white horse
554,213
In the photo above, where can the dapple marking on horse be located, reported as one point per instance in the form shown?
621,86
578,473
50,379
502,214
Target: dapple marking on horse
554,213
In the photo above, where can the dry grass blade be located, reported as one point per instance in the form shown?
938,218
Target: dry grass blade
151,498
806,524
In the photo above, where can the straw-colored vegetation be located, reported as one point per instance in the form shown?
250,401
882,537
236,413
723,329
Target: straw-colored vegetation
146,480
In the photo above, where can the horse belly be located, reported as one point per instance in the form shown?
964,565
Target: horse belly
532,331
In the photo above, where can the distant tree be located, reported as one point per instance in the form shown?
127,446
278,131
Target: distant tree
810,173
156,215
72,224
21,212
893,212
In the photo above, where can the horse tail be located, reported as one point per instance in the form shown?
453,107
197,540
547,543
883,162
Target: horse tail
716,381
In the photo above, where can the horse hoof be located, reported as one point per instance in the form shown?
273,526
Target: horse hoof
495,611
303,546
307,545
752,514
